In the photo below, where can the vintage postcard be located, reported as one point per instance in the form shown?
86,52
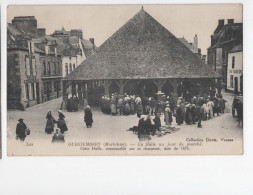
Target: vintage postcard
125,79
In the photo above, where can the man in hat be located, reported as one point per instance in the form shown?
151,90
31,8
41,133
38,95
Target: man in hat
21,130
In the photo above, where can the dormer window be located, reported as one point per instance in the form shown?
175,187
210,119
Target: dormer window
47,49
233,62
55,51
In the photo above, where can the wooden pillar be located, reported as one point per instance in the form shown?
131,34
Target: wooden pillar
73,88
174,83
65,85
121,84
107,84
159,84
219,85
79,91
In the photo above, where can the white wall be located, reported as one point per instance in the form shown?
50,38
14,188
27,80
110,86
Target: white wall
236,71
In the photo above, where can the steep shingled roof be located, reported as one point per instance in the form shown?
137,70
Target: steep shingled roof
142,49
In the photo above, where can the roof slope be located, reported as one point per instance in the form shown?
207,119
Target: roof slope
142,49
237,48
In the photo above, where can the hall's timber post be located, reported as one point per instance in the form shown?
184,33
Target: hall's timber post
107,86
121,84
79,91
159,84
174,83
64,86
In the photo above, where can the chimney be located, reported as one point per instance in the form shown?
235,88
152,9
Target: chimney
27,24
221,22
41,32
76,32
195,44
92,41
220,26
230,21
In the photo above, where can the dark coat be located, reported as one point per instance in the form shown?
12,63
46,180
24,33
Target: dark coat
61,124
50,123
188,116
199,112
179,115
20,130
88,117
157,122
141,129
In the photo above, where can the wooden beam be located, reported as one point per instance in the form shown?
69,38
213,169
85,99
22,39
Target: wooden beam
159,83
121,84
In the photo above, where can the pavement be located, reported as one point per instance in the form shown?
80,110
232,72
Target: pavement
114,128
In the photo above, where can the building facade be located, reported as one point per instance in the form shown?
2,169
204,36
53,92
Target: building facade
34,61
77,51
224,38
235,70
23,70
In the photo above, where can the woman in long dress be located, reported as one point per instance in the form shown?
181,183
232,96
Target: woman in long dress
166,115
113,106
50,123
88,117
61,124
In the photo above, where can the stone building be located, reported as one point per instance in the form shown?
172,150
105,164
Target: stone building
23,70
141,58
34,61
235,70
224,38
51,69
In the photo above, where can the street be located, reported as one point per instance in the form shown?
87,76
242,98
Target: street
114,128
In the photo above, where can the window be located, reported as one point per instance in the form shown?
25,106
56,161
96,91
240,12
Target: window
30,91
59,68
27,66
59,86
55,86
66,68
45,68
74,66
48,68
33,91
34,66
27,91
231,81
54,68
70,67
233,62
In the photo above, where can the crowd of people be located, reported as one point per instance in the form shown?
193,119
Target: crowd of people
188,109
72,103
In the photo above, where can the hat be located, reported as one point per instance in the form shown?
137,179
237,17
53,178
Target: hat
21,119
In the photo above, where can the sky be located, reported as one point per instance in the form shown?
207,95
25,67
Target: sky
101,21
